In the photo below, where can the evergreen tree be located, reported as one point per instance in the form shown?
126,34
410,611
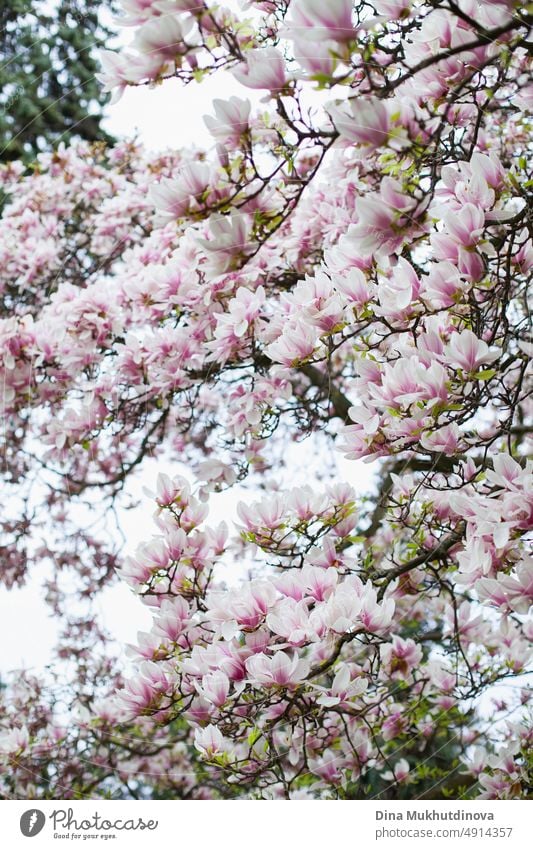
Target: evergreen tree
48,90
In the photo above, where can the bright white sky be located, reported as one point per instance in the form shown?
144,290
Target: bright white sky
170,114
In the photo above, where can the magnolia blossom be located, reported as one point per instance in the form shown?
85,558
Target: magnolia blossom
166,37
262,68
513,591
297,342
14,741
401,657
468,352
119,71
374,616
365,122
243,309
281,670
383,219
342,689
209,741
230,121
446,439
343,271
333,21
215,688
175,197
399,772
227,238
291,621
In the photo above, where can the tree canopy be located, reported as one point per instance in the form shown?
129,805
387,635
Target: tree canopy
48,89
344,274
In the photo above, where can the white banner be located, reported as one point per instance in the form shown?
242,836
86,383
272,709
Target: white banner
241,825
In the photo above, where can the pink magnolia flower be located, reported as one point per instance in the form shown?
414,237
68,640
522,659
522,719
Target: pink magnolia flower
327,767
399,772
320,581
121,69
442,676
491,590
401,384
476,762
320,20
383,219
155,554
230,121
470,263
290,619
172,619
362,438
342,609
475,561
508,473
215,688
343,688
281,670
267,513
314,300
489,167
365,416
199,662
263,68
364,121
291,585
395,724
243,309
228,236
466,225
305,503
400,657
210,742
443,285
514,591
494,786
233,665
171,490
296,343
249,606
16,740
315,57
397,290
143,693
166,37
174,197
468,352
374,616
354,287
444,440
392,9
139,11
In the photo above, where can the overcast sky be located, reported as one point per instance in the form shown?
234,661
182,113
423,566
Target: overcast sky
171,114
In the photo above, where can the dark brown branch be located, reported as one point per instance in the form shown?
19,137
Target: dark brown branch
436,553
325,665
322,380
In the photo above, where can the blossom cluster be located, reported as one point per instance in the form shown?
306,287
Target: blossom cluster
348,264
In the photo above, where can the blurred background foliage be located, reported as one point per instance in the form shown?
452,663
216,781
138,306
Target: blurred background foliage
48,62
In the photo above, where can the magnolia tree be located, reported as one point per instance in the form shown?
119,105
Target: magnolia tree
347,268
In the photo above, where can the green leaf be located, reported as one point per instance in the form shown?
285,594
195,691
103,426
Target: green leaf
253,736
